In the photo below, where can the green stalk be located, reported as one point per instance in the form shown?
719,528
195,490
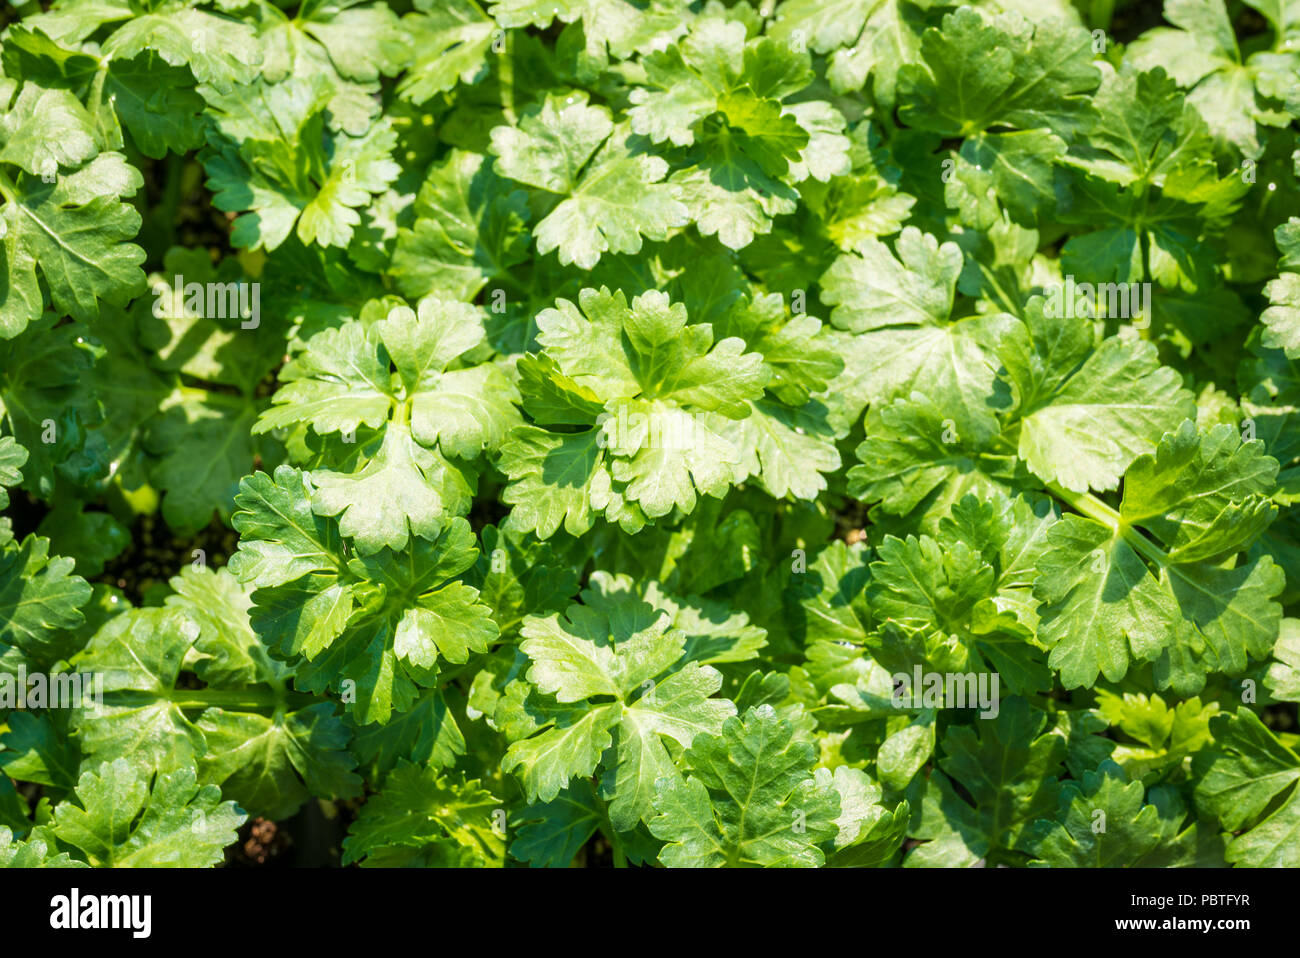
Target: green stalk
1101,12
607,829
506,79
171,200
620,859
7,188
1085,503
244,700
212,397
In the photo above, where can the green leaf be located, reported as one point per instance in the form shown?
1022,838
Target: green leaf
125,818
872,289
612,645
374,628
281,539
269,764
1271,843
1102,608
1008,767
609,202
76,228
47,406
870,833
900,305
1105,823
91,538
421,818
1141,129
197,486
571,748
1087,411
1246,769
555,480
218,50
666,433
140,655
615,644
40,600
981,72
451,42
403,490
425,732
36,852
1282,318
469,230
621,26
39,750
687,80
749,799
162,117
825,27
287,173
1105,607
1203,494
553,832
1283,679
399,481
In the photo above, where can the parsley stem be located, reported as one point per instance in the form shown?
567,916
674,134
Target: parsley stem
239,699
607,829
95,100
211,397
506,78
1085,503
171,199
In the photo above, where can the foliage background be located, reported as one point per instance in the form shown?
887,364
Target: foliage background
378,580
